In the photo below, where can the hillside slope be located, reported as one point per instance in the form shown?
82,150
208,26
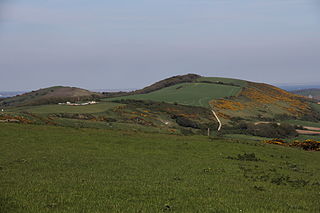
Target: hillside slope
263,102
199,92
232,98
50,95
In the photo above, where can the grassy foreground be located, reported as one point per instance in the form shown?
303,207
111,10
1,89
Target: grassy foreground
58,169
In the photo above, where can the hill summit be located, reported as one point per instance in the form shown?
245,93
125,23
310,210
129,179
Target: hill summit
50,95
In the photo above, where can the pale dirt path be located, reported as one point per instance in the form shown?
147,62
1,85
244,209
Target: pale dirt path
312,128
263,122
215,115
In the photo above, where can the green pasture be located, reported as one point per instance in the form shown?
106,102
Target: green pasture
58,169
194,94
76,123
238,82
55,108
246,137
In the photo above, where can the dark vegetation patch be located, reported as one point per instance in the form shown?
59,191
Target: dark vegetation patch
220,82
8,205
268,130
257,174
308,145
283,117
314,116
186,131
185,122
79,116
245,157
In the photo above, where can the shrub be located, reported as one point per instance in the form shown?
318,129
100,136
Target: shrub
186,132
271,130
245,157
313,117
109,120
309,145
185,122
248,157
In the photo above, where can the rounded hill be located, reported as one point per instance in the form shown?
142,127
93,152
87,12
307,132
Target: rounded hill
230,98
50,95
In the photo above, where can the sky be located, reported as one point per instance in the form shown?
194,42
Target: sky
111,44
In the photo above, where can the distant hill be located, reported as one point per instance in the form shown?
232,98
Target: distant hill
7,94
292,87
311,93
258,101
197,91
231,98
50,95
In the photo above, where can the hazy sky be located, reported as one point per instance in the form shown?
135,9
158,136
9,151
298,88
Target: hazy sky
132,43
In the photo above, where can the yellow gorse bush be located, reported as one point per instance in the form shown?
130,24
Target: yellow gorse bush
309,145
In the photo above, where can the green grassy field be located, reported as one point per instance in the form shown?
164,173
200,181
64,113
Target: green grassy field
58,169
246,137
238,82
55,108
194,94
75,123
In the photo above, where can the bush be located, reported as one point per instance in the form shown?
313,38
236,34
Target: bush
109,120
186,132
309,145
185,122
245,157
282,117
313,117
269,130
272,130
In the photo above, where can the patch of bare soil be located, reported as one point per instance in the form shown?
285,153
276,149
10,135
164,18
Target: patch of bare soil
311,128
307,132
